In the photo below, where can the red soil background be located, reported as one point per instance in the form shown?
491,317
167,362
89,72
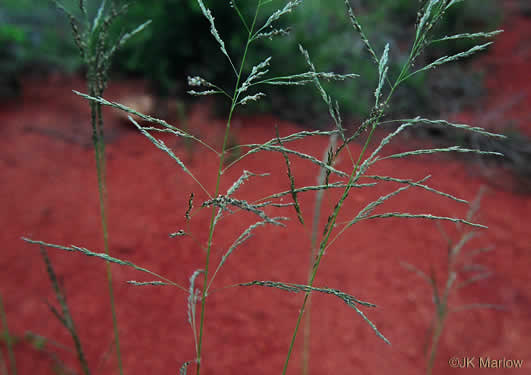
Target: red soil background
49,192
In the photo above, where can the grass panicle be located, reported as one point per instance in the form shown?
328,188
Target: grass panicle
64,316
460,265
250,80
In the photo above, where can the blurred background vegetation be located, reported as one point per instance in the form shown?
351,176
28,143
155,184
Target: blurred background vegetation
35,38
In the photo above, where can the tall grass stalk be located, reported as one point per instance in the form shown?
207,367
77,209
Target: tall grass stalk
246,89
91,38
313,251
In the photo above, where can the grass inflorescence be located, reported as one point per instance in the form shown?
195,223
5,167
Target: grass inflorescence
461,271
96,53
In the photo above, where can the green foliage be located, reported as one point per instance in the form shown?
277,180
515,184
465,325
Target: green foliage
178,43
167,54
12,34
32,40
32,36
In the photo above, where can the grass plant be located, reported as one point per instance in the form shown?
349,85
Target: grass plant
248,88
91,38
461,271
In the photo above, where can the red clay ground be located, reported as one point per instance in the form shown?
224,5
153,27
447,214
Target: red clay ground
49,192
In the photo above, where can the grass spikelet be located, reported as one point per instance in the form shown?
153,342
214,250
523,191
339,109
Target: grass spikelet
272,33
194,295
187,215
257,71
99,15
427,13
330,157
452,3
224,201
240,181
179,233
382,74
144,283
288,8
251,98
201,82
